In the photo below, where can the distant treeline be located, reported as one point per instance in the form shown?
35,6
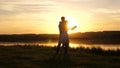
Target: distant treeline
97,35
110,36
27,37
103,37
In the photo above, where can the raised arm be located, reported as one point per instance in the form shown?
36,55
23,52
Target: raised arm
72,28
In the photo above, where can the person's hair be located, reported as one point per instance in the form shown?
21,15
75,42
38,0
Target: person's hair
62,17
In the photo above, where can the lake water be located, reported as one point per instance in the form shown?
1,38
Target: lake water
73,44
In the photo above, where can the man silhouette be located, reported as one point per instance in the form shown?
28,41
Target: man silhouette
63,37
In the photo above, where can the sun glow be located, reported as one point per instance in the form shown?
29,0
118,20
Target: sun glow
71,23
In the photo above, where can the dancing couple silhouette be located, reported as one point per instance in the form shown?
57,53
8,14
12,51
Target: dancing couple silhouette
63,35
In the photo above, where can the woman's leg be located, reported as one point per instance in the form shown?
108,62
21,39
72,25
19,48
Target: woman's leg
66,48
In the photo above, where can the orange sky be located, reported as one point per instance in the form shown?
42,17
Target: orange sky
43,16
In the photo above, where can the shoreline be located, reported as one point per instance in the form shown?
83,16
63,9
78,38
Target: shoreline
72,45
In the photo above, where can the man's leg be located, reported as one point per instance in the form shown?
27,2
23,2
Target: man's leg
58,48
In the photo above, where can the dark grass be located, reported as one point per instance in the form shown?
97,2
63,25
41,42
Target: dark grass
44,57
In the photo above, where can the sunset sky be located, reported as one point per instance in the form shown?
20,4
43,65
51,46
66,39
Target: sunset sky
43,16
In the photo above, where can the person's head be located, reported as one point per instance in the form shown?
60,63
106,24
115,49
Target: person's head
63,18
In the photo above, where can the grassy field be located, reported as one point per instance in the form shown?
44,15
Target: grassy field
44,57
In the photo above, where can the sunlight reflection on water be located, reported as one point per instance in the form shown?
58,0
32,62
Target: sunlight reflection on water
72,45
103,46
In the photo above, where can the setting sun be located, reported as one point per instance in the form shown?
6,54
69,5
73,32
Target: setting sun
71,23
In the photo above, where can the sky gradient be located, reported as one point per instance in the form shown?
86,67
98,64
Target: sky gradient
43,16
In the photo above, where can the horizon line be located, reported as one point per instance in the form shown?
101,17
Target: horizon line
57,33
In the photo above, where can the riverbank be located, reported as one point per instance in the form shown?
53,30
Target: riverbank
44,57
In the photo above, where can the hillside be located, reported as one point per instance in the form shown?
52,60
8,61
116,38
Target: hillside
105,36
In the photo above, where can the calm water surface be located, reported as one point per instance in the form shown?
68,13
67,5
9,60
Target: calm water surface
72,44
